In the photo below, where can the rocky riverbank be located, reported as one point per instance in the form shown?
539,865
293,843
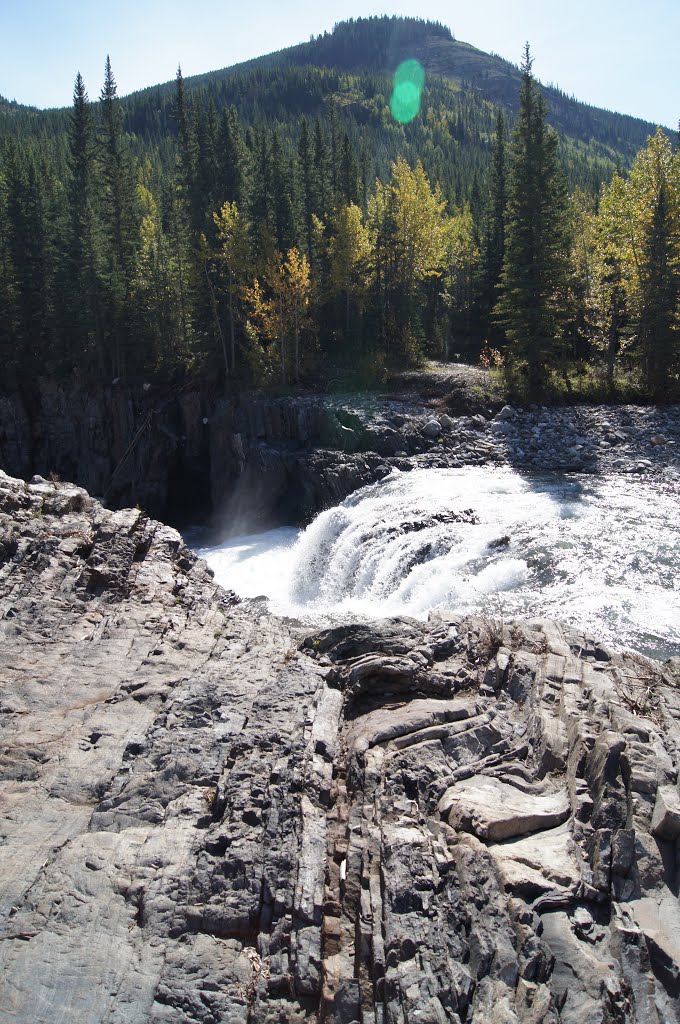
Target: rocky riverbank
210,815
254,460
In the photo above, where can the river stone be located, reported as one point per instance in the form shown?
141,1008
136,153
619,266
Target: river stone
432,428
494,810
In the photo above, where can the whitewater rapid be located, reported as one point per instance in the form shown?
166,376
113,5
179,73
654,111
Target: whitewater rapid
602,554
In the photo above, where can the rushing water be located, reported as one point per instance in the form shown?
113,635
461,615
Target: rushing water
600,553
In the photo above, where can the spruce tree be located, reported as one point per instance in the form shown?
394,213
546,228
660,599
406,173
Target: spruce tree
348,183
81,284
8,320
321,171
493,237
232,161
187,157
535,260
334,136
31,252
118,219
283,195
305,163
206,162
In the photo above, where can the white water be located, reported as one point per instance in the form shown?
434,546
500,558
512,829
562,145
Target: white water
601,554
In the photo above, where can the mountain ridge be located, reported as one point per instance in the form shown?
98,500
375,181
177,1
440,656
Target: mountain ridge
442,55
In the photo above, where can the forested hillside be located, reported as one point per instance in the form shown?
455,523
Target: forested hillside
283,221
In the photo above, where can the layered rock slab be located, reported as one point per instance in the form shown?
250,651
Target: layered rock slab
207,816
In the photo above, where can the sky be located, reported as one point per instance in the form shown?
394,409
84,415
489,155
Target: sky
618,54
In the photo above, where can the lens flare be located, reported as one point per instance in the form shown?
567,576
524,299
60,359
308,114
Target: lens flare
409,79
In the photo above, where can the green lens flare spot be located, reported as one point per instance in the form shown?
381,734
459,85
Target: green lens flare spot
409,79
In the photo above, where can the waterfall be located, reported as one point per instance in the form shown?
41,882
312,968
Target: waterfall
600,553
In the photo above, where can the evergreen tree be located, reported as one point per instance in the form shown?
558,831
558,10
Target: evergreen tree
306,165
232,161
261,197
493,238
283,196
187,158
9,333
81,282
31,251
534,264
321,206
118,219
608,307
206,160
349,173
334,137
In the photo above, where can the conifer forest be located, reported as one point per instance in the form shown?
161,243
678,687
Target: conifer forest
280,224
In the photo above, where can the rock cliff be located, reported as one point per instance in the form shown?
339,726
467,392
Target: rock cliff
209,815
255,460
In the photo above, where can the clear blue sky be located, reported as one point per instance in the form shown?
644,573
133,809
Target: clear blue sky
620,54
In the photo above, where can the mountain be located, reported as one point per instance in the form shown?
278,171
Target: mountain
354,64
379,44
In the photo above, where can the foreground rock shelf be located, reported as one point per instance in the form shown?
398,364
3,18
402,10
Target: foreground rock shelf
207,815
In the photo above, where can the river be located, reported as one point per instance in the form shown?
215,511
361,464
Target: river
600,553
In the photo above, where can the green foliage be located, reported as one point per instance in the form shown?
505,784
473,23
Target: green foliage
166,232
531,304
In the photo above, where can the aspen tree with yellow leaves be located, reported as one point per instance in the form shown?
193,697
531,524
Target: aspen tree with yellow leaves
406,223
637,260
281,309
233,259
350,258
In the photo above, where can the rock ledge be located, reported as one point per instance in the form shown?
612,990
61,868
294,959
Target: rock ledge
208,816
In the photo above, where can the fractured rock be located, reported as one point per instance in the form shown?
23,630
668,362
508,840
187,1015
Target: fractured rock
210,816
494,810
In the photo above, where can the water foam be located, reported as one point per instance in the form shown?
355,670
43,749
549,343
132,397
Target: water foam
601,554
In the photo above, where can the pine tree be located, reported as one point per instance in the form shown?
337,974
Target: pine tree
349,173
81,283
118,218
334,136
187,158
535,242
305,161
206,161
283,195
493,239
261,211
232,161
8,322
320,171
31,251
608,307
